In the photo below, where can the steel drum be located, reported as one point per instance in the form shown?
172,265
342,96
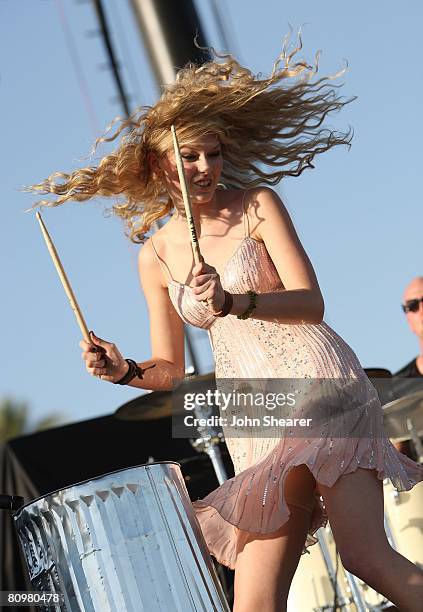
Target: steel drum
127,541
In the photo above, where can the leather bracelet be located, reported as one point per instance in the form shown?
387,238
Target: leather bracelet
133,370
227,306
251,305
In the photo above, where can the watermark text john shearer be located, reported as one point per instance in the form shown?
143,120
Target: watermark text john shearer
267,420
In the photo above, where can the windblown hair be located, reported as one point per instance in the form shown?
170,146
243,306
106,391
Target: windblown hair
269,128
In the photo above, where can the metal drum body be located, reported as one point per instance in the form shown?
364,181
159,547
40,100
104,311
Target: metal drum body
127,541
404,514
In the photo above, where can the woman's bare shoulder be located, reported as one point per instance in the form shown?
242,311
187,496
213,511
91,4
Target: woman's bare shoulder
148,264
146,254
263,202
153,254
146,251
249,195
254,203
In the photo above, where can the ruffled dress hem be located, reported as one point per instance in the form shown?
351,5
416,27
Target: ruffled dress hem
252,503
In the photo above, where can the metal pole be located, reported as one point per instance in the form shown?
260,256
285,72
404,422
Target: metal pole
168,30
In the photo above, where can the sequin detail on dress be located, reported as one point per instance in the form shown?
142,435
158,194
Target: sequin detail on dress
254,502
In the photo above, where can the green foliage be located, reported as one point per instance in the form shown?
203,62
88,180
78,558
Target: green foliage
14,419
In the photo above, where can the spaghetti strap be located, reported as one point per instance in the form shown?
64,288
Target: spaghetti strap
245,218
162,263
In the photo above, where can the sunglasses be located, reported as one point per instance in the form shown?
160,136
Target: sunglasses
412,305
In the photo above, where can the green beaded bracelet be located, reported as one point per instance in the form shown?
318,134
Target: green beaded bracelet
251,306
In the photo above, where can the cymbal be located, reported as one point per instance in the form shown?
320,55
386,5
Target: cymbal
378,373
396,413
154,405
380,379
160,404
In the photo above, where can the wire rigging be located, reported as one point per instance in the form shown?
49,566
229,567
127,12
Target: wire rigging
117,23
77,66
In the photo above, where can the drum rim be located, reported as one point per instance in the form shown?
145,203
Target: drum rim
81,482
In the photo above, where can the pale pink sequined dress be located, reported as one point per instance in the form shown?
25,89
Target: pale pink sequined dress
253,501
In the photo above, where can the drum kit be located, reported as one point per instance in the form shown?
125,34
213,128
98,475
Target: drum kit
130,541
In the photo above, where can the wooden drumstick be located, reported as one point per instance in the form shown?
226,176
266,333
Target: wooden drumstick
65,282
186,198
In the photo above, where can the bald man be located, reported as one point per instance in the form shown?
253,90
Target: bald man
412,305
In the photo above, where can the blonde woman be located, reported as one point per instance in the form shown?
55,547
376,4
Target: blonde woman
257,295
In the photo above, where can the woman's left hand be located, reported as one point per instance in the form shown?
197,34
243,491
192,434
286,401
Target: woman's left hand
206,286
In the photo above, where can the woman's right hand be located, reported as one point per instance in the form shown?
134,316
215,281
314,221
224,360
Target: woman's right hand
103,359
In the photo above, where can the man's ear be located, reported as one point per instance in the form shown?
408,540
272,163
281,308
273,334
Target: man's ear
411,326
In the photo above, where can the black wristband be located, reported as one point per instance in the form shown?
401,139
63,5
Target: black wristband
133,370
227,306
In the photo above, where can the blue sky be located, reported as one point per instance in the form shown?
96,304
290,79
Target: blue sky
358,212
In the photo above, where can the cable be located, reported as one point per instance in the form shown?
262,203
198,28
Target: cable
111,53
117,23
77,66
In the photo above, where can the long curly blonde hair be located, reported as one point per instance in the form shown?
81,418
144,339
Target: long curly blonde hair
269,128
